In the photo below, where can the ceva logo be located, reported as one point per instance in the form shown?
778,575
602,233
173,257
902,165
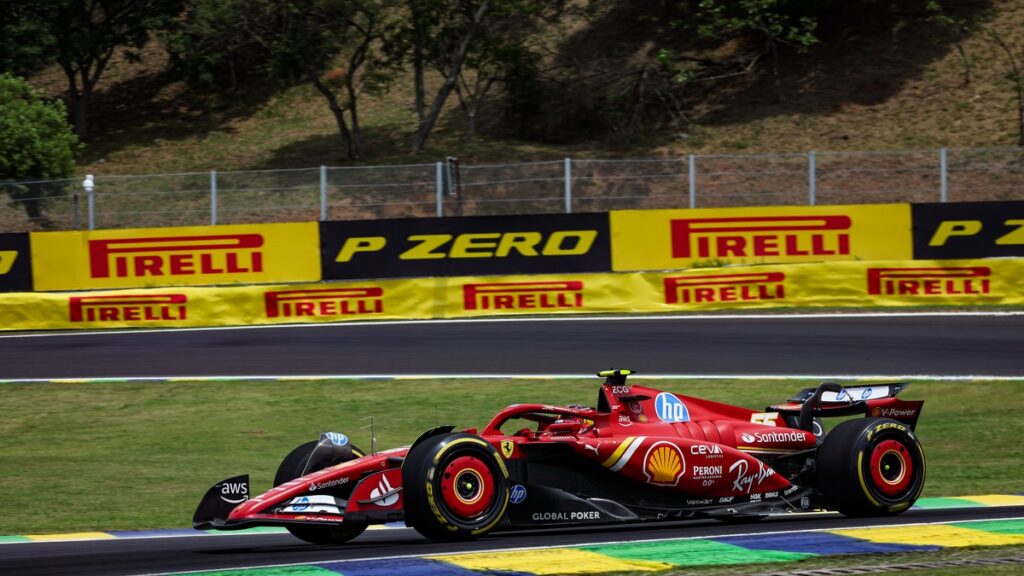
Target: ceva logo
670,408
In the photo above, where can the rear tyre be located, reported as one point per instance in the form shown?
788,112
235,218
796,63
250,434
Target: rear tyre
455,487
871,467
291,467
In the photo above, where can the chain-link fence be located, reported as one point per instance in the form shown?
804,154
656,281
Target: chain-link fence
570,185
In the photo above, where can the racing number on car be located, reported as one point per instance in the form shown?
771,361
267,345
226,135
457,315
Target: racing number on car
765,418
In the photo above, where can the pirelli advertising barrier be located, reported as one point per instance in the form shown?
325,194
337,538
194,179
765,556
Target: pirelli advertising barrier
968,230
681,239
420,247
233,254
837,284
15,263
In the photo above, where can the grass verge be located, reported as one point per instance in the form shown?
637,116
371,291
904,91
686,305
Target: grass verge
140,455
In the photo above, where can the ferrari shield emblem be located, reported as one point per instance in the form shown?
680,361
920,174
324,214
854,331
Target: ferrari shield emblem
507,448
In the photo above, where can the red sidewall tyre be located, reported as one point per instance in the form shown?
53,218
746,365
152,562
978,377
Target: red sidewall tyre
871,467
455,487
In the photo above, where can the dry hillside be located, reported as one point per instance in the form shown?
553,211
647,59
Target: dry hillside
884,81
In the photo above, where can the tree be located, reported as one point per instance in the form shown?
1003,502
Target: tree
284,42
962,27
777,22
25,44
475,46
469,19
82,35
1015,74
36,143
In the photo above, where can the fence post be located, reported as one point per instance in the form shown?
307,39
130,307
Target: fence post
568,185
89,184
943,176
811,173
213,197
439,187
693,181
323,193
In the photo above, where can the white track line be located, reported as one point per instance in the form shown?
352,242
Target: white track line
567,318
311,377
575,545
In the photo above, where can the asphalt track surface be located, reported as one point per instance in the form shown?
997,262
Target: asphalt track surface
951,345
178,554
840,344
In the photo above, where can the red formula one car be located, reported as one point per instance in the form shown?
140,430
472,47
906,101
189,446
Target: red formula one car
640,455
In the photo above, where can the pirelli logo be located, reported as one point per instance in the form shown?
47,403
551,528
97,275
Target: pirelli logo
325,302
128,308
176,256
768,236
706,288
523,295
944,281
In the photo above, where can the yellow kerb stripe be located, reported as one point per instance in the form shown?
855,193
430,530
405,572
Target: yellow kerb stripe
934,535
553,561
996,499
70,536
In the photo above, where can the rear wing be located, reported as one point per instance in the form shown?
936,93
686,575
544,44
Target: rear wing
832,399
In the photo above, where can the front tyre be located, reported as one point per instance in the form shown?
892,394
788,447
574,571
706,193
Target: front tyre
871,467
455,487
291,467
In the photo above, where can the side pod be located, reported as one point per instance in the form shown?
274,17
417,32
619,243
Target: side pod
219,501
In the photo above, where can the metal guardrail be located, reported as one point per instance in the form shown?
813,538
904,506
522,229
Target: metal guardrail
569,185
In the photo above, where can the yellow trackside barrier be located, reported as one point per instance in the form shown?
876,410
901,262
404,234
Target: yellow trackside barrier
680,239
201,255
832,284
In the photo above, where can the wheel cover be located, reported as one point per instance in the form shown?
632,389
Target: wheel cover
467,487
892,467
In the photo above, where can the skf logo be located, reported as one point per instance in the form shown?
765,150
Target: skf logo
523,295
324,302
128,308
7,258
929,281
176,256
664,464
702,288
761,236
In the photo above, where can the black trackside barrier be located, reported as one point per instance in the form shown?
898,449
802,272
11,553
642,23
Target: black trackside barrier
15,263
968,230
465,246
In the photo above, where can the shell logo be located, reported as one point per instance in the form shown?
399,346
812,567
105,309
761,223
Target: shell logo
664,464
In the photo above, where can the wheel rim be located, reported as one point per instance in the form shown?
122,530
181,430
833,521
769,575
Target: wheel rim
467,487
892,468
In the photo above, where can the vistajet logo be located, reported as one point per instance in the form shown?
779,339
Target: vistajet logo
325,302
701,288
761,237
523,295
176,256
939,281
128,308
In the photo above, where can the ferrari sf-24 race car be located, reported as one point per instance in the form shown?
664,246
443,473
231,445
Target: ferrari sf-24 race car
640,455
